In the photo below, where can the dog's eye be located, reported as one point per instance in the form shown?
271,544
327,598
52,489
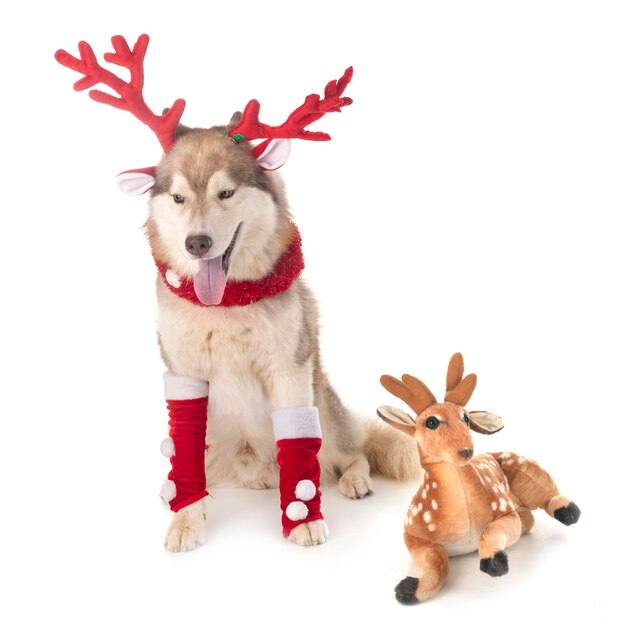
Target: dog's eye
432,423
466,418
225,194
178,198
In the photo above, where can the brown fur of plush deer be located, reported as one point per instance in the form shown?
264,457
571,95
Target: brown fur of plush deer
465,502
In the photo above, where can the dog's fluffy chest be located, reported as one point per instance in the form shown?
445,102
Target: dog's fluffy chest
236,350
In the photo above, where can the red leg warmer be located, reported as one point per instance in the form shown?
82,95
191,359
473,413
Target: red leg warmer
298,436
187,402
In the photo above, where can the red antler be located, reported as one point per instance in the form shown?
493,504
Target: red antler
313,109
130,93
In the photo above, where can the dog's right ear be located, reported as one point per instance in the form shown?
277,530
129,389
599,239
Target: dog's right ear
136,181
397,418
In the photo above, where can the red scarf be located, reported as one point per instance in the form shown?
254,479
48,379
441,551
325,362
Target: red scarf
286,270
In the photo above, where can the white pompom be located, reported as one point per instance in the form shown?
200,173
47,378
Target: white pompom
168,491
296,511
305,490
167,447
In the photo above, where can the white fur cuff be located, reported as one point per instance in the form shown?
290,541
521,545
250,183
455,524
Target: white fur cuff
184,387
303,422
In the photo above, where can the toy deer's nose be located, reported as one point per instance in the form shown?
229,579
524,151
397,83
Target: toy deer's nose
198,245
466,453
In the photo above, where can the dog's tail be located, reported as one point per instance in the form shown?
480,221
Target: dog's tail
391,453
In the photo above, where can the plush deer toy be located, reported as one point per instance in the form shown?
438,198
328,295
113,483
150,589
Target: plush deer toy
465,502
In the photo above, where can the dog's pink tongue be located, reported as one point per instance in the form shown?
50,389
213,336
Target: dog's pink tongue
210,281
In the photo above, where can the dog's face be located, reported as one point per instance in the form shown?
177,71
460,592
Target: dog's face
213,212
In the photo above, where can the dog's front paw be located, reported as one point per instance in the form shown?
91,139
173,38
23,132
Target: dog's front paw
310,533
186,531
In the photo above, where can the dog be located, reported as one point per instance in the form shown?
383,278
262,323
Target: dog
219,218
256,358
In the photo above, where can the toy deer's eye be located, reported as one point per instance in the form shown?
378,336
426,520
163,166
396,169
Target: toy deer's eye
432,423
178,198
226,194
466,418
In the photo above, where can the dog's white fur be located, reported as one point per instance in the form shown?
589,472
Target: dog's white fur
256,358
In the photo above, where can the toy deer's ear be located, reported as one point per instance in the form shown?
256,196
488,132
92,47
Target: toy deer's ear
136,181
485,422
275,154
397,418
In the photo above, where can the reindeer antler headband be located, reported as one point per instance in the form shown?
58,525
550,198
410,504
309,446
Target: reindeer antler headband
130,98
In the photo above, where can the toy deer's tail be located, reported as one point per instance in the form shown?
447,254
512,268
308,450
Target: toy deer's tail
390,453
534,487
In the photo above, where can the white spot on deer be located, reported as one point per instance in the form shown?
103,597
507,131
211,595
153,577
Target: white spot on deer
508,463
431,527
419,507
521,460
434,485
505,455
428,516
410,519
414,510
172,278
503,504
494,506
424,494
434,505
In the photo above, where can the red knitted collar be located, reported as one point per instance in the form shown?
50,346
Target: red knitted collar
286,270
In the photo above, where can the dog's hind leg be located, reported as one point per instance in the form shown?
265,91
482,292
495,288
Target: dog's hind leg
355,479
342,453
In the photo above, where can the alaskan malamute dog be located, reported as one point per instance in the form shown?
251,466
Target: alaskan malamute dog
256,358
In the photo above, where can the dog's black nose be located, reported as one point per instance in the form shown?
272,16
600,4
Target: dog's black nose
198,245
466,453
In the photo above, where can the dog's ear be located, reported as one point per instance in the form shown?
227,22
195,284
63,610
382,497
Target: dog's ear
234,120
136,181
485,422
397,418
275,154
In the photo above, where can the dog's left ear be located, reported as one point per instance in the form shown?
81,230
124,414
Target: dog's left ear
275,154
136,181
485,422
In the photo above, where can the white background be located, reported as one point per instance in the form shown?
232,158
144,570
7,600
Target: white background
471,199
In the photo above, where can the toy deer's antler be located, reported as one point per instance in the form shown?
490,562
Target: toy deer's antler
313,108
410,390
130,93
458,389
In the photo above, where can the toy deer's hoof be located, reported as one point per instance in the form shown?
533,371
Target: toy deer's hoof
405,591
567,515
496,566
